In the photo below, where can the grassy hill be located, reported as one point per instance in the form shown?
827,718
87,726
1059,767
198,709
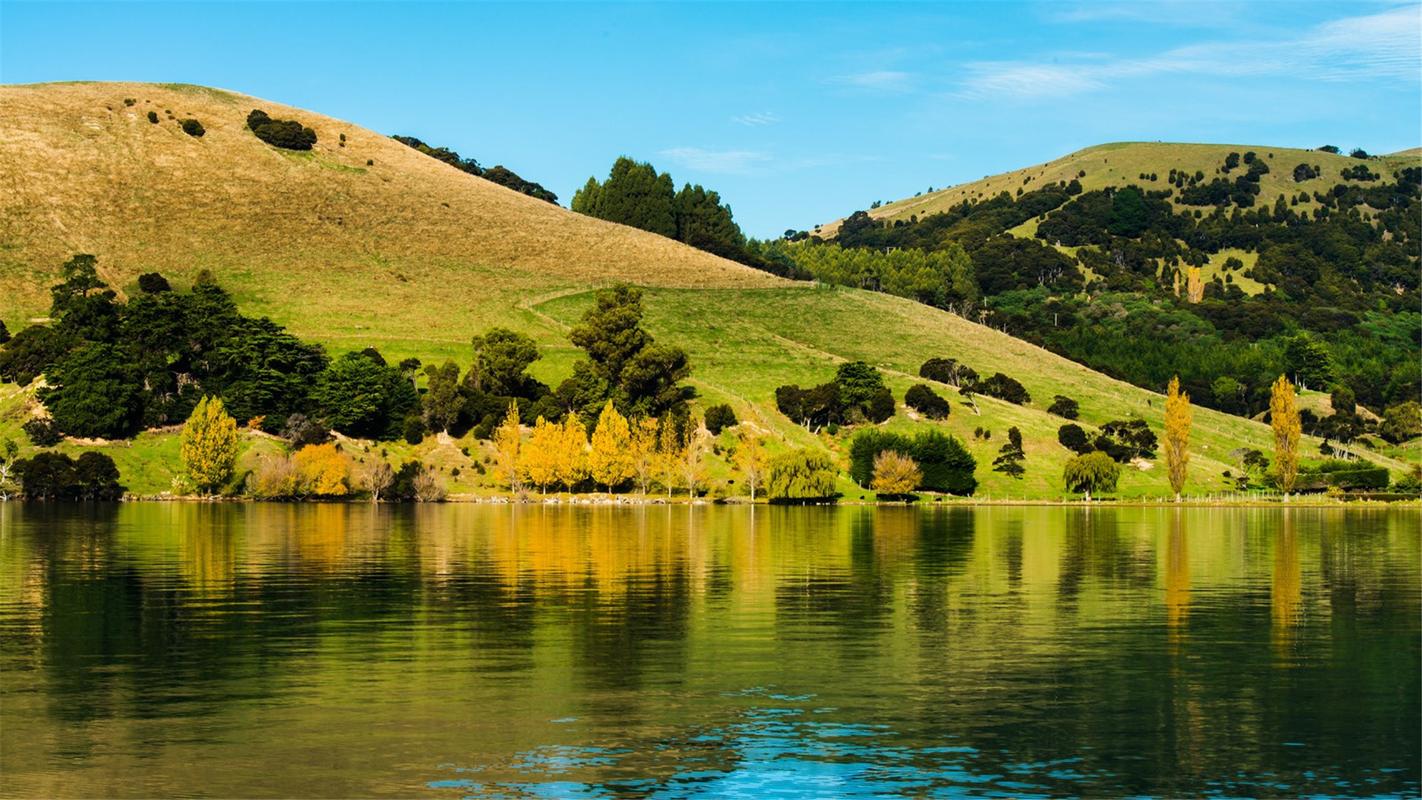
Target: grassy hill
1122,163
414,257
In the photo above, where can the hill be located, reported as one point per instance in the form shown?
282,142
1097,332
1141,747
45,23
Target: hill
374,244
1124,163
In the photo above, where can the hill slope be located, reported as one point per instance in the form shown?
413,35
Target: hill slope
1122,163
414,257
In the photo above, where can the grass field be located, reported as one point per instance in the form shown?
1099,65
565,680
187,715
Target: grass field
414,257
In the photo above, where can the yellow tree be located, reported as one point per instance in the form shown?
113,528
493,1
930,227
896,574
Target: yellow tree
322,470
668,458
571,464
1178,417
1194,286
895,474
209,444
1284,418
508,438
610,460
693,454
643,451
539,460
750,459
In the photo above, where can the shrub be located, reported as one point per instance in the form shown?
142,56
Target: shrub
945,465
43,432
415,430
32,352
153,283
302,431
1003,388
800,477
895,474
284,133
153,117
947,370
720,417
1124,440
1064,407
274,478
323,470
1073,438
1401,422
193,128
921,398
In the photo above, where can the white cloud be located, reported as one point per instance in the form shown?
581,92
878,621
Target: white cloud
717,161
1371,47
757,119
883,80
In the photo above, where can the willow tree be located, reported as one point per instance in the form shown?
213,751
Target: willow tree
1178,416
209,444
1284,418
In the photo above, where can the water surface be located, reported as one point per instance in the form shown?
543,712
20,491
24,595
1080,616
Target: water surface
448,651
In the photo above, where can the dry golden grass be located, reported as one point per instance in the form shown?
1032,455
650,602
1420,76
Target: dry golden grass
319,239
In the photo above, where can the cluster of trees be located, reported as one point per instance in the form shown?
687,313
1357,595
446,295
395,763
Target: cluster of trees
287,134
857,394
636,194
1121,440
942,278
967,381
939,462
51,475
498,174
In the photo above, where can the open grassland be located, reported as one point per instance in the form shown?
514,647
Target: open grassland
414,257
1122,163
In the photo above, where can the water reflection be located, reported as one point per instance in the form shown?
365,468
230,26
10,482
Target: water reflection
268,650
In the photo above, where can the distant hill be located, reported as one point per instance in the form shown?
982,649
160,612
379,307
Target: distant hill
376,244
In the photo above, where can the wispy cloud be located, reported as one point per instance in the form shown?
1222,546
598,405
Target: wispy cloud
1174,13
738,162
757,119
882,80
1370,47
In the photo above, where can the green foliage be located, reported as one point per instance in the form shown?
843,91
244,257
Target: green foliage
361,397
153,117
633,194
1343,400
499,174
1093,473
414,430
719,418
4,332
32,351
193,128
623,364
56,476
42,432
944,278
153,283
1124,440
1064,407
95,392
949,371
1308,361
921,398
442,401
1010,457
946,465
1003,388
287,134
800,476
1402,422
1073,438
209,445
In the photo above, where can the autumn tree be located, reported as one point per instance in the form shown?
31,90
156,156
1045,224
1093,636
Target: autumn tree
642,449
668,460
571,460
209,444
693,455
375,477
895,473
1177,435
508,438
323,470
540,456
1284,419
609,460
751,459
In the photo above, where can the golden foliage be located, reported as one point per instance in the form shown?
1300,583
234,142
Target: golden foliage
1178,416
1284,419
209,444
895,473
1194,286
642,449
610,460
275,477
323,470
750,459
668,456
508,438
692,456
539,461
570,464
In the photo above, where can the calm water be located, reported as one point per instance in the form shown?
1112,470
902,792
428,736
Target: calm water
259,650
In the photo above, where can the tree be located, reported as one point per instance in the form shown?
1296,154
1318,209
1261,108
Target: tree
921,398
1093,472
642,449
209,444
1308,361
1178,416
669,438
508,438
623,364
1073,438
634,194
55,476
720,417
501,361
1010,456
1064,406
442,402
541,455
610,459
361,396
1284,419
694,448
571,464
33,351
9,451
1343,400
375,477
800,476
1401,422
751,460
95,392
323,470
895,474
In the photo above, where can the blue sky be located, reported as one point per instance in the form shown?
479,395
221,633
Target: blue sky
797,113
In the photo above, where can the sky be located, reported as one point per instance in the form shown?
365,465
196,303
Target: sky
796,113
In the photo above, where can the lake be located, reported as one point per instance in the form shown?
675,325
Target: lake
461,650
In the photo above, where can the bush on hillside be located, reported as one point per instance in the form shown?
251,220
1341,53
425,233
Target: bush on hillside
1064,407
1003,388
720,417
947,370
153,283
284,133
1073,438
42,432
921,398
193,128
945,465
153,117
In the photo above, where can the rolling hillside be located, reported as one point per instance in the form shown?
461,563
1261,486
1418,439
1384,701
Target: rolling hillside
374,244
1123,163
